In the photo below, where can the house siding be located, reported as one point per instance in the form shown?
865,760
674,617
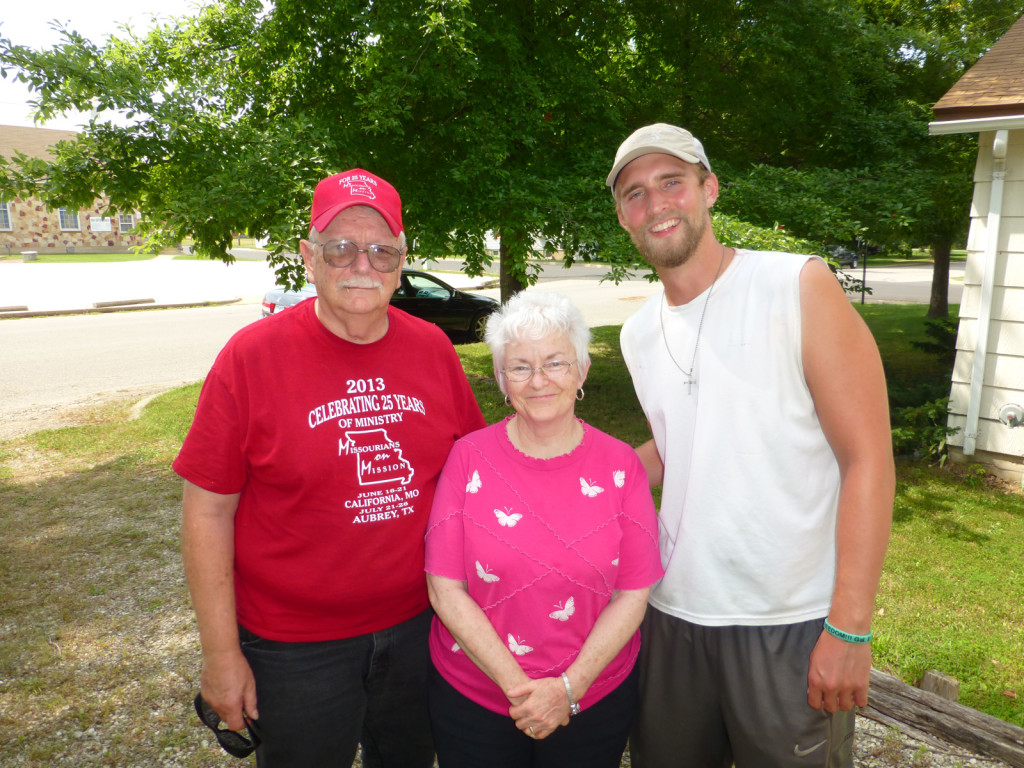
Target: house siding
1003,379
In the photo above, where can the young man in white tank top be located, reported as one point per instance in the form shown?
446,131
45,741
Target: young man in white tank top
766,399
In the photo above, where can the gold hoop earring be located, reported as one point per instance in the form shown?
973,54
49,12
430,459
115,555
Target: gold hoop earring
508,401
580,394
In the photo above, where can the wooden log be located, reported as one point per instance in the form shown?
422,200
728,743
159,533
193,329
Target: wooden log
904,728
954,723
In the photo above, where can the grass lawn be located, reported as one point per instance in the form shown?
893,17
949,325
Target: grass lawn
952,592
99,656
914,376
924,254
83,258
94,258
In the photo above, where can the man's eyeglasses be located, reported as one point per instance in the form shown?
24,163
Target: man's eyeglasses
555,369
342,253
232,742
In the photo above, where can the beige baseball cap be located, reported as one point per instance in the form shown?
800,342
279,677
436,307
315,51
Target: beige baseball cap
659,137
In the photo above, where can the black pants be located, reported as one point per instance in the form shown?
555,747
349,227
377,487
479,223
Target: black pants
467,735
319,701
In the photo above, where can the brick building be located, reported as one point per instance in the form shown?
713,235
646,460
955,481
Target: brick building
28,225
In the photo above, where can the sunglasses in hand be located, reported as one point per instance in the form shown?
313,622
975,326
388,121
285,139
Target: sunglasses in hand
232,742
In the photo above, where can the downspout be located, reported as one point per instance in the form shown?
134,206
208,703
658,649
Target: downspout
988,279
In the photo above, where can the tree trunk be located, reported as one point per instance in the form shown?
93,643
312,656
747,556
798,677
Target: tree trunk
511,284
938,305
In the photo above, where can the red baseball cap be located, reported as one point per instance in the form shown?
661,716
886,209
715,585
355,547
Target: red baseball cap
356,187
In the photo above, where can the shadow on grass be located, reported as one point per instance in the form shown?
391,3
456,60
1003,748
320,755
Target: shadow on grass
937,509
98,649
99,655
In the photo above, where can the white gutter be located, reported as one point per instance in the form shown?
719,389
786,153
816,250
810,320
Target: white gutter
988,279
976,125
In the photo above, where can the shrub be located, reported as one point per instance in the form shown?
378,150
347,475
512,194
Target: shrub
921,431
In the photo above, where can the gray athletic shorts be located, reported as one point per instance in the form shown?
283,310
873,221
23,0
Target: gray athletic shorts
712,697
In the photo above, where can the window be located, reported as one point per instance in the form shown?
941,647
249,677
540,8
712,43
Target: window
5,216
68,219
126,222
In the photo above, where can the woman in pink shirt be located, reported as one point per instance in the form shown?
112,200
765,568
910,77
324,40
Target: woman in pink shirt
540,552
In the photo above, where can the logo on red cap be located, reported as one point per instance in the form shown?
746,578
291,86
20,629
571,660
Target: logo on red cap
355,187
358,185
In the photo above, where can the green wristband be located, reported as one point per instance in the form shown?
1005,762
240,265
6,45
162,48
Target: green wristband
848,637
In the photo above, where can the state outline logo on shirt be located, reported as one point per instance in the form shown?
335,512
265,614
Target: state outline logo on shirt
379,459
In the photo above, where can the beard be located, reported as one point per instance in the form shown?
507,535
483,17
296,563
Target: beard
676,251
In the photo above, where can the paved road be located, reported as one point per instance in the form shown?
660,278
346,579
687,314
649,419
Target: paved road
52,364
73,362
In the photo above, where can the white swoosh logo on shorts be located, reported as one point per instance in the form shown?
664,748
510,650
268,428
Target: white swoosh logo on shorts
805,752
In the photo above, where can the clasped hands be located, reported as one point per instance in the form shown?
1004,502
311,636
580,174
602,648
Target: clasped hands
539,706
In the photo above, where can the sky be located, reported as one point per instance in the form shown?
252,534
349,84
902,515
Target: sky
28,22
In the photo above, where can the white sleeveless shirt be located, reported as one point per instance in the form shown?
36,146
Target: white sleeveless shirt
748,508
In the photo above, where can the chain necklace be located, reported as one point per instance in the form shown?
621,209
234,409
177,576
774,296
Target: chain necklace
690,380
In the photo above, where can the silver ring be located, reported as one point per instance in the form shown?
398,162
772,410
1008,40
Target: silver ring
533,732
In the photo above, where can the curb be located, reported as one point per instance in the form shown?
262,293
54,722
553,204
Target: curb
116,308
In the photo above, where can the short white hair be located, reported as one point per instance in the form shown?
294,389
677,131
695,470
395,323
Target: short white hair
535,315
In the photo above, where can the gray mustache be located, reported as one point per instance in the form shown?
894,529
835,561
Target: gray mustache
359,283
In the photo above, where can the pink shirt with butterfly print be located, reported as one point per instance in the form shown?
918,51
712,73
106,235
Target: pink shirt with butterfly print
542,544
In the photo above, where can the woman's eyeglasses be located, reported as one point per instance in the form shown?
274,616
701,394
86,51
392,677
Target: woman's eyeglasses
555,369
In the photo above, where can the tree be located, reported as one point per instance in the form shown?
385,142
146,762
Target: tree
192,157
485,116
818,110
795,83
503,117
941,40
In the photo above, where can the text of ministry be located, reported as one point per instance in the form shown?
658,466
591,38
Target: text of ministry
363,404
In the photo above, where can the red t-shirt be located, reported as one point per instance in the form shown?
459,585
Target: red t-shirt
336,449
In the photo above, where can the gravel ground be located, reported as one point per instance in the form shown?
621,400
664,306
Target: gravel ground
879,746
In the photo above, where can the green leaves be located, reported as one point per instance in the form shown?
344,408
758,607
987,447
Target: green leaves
485,116
503,117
